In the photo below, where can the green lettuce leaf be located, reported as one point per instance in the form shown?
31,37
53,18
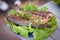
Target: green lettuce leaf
33,8
39,34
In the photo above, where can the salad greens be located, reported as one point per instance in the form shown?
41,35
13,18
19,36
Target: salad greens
12,12
38,34
33,8
44,8
26,15
22,30
29,7
52,22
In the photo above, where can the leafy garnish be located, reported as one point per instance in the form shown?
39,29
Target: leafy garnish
12,12
52,21
22,30
39,34
33,8
44,8
26,15
29,7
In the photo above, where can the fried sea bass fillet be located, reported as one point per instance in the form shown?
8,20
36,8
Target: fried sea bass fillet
34,17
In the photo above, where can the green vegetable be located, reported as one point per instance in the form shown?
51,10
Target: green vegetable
30,28
29,7
12,12
44,8
52,21
57,2
33,8
23,31
26,15
18,29
39,34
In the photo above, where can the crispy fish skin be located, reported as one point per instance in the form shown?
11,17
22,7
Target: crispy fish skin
18,20
35,17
